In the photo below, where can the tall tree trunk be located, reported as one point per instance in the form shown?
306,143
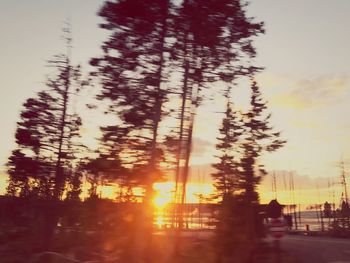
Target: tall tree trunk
52,212
149,194
59,180
181,135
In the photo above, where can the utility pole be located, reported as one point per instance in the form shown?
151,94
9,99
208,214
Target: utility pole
274,186
343,182
285,189
291,185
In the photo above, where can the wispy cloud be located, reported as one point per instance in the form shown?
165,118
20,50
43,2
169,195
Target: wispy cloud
201,146
298,123
318,92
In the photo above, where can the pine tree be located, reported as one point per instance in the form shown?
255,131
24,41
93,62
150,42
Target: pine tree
28,167
74,185
226,177
134,71
48,146
239,173
214,43
259,138
46,137
103,170
226,181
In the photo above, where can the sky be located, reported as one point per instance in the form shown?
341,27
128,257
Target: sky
306,78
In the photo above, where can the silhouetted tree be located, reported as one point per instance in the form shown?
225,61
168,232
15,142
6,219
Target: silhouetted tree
259,138
104,170
21,169
28,165
74,184
213,45
48,145
45,139
133,74
239,173
226,177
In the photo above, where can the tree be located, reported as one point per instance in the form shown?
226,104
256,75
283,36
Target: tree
20,169
74,184
214,43
238,174
46,137
133,72
259,138
102,171
225,179
48,145
149,41
28,166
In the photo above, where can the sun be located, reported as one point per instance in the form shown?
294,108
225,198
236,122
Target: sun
160,222
163,195
161,202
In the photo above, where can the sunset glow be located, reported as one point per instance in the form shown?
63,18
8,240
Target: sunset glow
194,192
160,221
163,194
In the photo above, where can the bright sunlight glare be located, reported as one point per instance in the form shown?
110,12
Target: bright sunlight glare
163,195
160,221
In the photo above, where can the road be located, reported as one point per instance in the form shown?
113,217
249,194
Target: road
317,249
305,249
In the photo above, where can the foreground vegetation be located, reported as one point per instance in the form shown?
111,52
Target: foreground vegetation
104,231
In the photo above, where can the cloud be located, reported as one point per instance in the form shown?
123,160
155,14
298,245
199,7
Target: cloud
307,190
310,93
201,173
301,182
201,146
298,123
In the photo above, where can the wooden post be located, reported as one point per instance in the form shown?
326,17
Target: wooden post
295,218
322,223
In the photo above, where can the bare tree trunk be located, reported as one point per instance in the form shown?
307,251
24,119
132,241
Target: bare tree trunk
180,143
52,212
58,170
147,224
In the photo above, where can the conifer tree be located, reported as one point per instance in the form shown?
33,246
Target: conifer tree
47,134
226,177
259,138
28,167
133,72
48,144
214,43
228,237
74,184
103,170
239,173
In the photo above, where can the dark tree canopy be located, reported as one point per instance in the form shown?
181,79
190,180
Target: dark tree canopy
47,137
229,153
